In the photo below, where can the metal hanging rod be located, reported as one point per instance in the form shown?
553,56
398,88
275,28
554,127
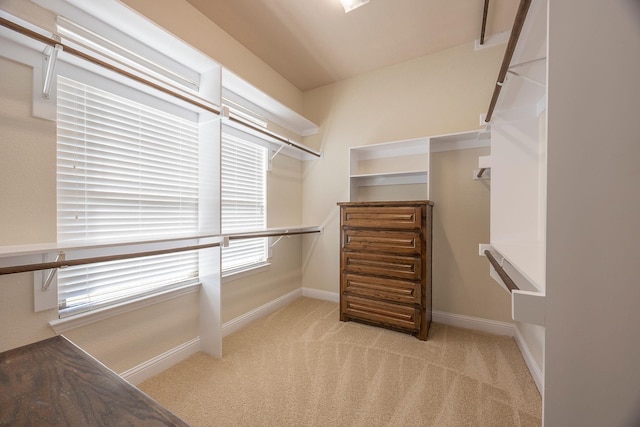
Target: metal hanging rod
51,41
485,13
272,233
229,116
222,241
481,172
105,258
510,284
521,16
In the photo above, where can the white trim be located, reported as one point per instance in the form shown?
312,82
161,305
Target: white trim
498,328
535,370
322,295
243,320
83,319
438,147
161,362
475,323
248,96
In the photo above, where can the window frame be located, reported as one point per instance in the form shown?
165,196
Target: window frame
228,135
129,268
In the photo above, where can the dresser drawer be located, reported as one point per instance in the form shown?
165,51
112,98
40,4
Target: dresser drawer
396,242
392,217
392,290
395,266
389,314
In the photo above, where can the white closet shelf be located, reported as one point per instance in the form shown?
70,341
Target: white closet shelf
30,257
388,164
391,178
44,248
528,259
242,91
527,299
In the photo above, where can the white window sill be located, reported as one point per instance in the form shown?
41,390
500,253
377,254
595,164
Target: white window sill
245,272
83,319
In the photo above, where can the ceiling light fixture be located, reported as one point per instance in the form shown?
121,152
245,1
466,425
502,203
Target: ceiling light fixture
350,5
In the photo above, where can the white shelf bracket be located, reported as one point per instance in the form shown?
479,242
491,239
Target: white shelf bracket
482,174
269,166
49,65
277,240
526,79
52,272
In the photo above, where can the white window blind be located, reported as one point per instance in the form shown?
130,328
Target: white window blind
243,200
125,171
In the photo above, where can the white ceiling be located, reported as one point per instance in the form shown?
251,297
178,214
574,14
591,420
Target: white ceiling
313,42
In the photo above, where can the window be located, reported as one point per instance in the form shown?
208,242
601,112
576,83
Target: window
125,171
243,200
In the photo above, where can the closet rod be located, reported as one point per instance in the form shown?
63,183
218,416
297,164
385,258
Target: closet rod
272,135
481,172
484,21
503,274
82,261
256,234
521,15
53,42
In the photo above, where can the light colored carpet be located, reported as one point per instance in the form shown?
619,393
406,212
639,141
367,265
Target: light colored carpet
301,366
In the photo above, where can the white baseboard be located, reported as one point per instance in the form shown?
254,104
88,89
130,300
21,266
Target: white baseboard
498,328
161,362
164,361
323,295
535,370
468,322
240,322
475,323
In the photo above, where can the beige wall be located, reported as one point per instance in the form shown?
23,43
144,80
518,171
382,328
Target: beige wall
437,94
27,201
461,282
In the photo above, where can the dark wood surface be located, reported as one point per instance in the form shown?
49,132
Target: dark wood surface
385,264
55,383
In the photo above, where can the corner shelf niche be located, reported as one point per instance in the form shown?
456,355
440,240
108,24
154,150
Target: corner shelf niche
399,170
391,164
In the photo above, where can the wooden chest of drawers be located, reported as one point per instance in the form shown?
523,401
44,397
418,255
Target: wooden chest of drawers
385,264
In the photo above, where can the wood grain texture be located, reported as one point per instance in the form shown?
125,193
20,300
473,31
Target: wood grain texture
55,383
385,263
397,242
402,291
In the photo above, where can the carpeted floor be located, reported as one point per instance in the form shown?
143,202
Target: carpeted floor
301,366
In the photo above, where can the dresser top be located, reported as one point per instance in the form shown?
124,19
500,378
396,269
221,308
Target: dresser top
389,203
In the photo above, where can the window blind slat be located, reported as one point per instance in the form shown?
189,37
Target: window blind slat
125,170
243,200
